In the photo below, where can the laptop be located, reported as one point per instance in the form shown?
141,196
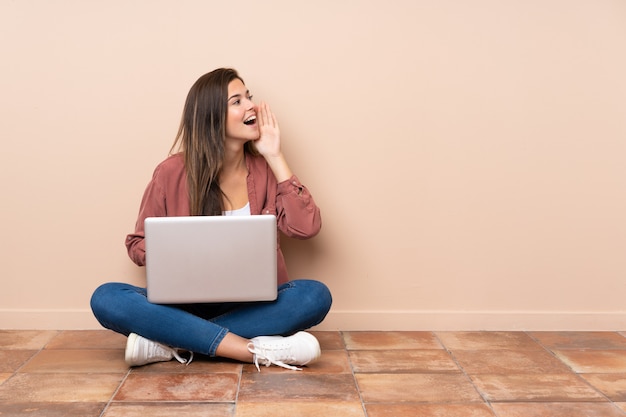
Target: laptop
210,259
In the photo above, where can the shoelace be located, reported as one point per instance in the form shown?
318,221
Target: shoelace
181,359
263,354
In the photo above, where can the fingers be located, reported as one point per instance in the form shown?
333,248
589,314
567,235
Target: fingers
268,143
267,117
262,116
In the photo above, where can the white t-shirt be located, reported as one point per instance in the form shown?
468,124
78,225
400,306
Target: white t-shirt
244,211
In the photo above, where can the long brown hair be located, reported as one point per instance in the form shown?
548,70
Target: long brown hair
201,138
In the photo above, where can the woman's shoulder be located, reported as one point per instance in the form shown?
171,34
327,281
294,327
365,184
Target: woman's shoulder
169,172
173,163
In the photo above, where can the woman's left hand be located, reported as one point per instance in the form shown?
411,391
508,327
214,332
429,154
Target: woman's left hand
268,143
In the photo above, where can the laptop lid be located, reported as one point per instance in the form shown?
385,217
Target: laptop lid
206,259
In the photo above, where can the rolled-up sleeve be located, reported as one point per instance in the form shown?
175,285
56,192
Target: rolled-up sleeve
297,214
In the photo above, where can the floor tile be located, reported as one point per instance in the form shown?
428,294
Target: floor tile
296,386
147,387
81,361
12,360
404,361
331,362
421,373
556,410
594,361
428,410
509,361
168,409
70,409
364,340
25,339
329,340
87,339
300,409
436,388
72,387
197,366
534,387
487,340
611,385
580,340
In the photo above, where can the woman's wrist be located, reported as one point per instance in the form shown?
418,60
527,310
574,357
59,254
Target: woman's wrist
280,168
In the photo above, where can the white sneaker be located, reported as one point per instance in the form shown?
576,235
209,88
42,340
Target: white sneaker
141,351
299,349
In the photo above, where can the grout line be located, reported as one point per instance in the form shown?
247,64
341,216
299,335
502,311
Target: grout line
106,406
356,383
572,370
236,404
456,362
343,347
37,352
58,332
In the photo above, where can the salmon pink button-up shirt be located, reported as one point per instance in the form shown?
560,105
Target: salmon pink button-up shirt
296,213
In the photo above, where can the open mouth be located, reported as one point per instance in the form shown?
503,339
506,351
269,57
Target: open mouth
250,121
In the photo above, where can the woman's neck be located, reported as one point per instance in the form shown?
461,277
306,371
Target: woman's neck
234,159
233,179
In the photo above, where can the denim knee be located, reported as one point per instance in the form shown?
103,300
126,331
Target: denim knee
323,296
315,297
98,297
108,304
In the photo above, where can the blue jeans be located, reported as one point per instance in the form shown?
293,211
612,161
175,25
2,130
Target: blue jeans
200,328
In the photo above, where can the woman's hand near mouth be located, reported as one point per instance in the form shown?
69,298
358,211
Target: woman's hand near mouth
268,144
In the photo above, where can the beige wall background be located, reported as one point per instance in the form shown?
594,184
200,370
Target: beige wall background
468,156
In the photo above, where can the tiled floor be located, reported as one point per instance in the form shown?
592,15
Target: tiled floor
373,374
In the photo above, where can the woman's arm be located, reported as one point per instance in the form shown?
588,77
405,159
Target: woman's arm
165,195
268,144
297,214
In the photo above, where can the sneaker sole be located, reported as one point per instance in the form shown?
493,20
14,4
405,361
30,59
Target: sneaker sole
129,355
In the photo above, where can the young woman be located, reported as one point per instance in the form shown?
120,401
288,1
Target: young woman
226,160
